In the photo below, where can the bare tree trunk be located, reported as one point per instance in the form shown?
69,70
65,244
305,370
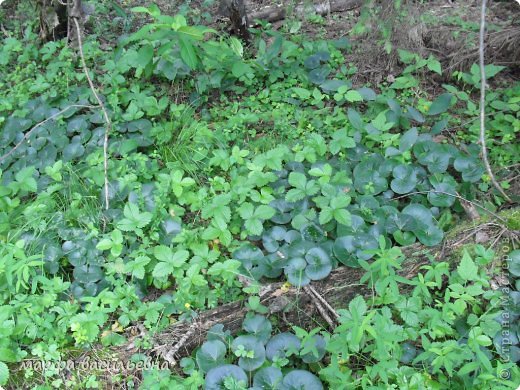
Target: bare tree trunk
56,19
236,11
53,19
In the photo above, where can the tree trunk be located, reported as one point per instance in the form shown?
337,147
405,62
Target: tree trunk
56,19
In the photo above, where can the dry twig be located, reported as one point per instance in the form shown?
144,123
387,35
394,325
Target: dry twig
320,308
483,102
108,126
324,302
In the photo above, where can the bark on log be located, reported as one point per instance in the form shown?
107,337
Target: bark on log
293,305
239,19
276,13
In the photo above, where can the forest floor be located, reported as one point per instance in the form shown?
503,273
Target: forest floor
443,31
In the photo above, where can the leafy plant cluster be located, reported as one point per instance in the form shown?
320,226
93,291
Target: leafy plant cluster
443,333
429,337
262,361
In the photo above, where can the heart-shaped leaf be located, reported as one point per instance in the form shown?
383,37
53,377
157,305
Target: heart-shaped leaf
210,355
269,378
255,352
215,378
281,344
301,380
258,326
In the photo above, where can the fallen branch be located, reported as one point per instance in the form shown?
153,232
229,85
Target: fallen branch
312,294
276,13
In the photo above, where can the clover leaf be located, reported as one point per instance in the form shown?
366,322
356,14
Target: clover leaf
134,220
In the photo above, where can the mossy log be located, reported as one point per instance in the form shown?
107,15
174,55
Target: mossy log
296,306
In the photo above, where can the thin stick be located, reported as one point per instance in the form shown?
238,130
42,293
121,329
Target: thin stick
324,302
28,134
320,308
483,102
455,196
108,126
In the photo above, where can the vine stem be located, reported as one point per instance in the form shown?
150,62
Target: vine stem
108,126
483,102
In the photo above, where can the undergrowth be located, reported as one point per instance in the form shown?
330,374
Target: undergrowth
231,167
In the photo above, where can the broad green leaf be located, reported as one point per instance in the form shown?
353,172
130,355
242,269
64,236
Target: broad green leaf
353,96
188,54
297,180
301,379
162,270
252,345
513,261
281,344
268,378
179,258
264,212
355,119
467,268
441,104
215,377
211,354
246,210
162,253
254,226
104,244
408,139
258,326
435,66
4,373
134,219
25,179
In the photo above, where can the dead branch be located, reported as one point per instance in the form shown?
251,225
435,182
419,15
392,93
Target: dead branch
276,13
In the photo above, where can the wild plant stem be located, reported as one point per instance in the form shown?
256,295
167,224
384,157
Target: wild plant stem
483,103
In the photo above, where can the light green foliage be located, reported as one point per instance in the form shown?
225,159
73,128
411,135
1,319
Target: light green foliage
396,332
